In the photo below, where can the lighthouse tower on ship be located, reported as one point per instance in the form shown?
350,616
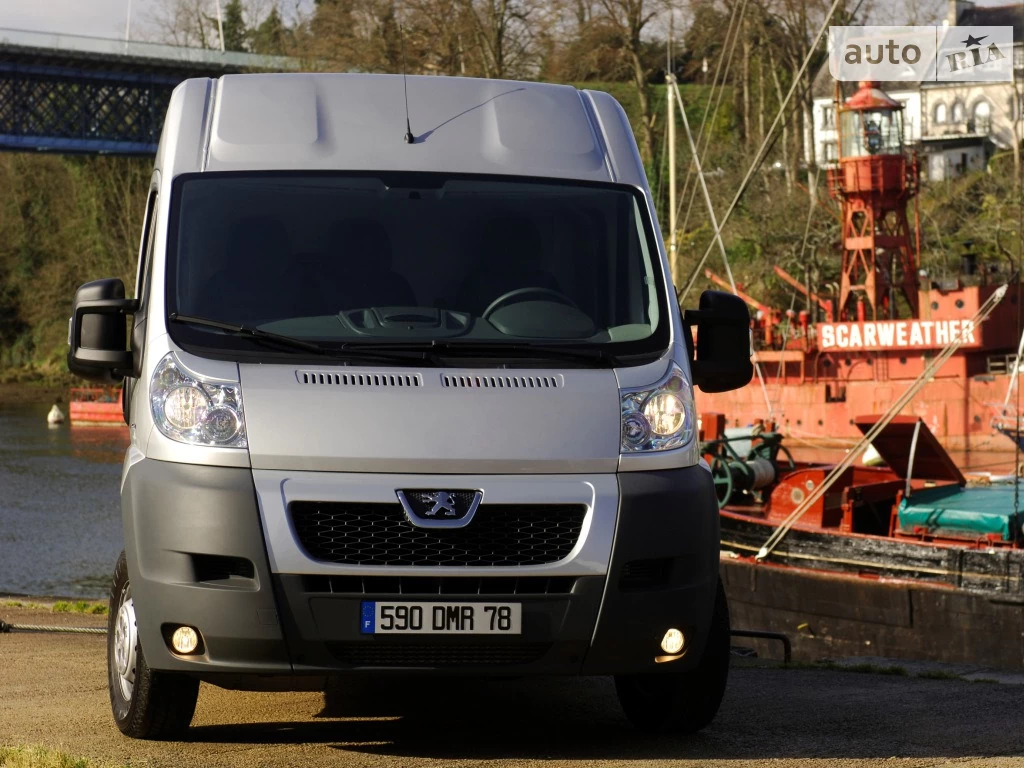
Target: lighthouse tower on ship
874,182
886,320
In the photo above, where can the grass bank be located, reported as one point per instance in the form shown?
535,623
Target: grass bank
91,607
21,393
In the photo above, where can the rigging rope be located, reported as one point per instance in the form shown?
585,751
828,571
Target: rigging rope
762,151
937,362
702,136
721,245
813,193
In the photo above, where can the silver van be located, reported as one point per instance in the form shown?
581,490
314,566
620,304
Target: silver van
408,404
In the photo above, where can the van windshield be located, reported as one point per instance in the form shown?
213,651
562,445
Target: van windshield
412,259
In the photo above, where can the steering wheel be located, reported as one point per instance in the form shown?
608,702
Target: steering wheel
518,295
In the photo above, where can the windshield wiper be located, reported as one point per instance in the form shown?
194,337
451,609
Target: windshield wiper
568,352
342,352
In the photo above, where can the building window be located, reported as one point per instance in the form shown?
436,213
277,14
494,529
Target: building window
828,117
831,151
958,112
940,113
982,115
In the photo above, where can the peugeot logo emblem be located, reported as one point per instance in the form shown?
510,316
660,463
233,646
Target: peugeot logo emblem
429,508
441,502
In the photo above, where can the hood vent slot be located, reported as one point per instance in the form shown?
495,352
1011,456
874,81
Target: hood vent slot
501,382
330,378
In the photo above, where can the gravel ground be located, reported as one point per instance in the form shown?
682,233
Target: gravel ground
53,693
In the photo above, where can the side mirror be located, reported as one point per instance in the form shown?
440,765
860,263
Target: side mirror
98,333
722,361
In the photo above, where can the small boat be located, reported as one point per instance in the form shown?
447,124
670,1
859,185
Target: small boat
906,560
96,406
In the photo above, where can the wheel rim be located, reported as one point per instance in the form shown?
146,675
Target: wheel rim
125,643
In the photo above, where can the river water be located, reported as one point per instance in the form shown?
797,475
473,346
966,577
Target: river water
60,514
60,518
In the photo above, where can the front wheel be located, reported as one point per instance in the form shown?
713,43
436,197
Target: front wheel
146,704
683,702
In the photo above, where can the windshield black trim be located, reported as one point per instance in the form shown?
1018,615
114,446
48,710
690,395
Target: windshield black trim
624,353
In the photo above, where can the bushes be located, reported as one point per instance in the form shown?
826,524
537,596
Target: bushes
63,220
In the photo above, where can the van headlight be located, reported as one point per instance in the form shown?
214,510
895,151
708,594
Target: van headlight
659,417
193,411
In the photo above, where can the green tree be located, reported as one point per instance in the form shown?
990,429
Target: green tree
270,38
235,31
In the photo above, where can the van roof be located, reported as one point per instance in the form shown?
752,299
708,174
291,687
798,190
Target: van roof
357,122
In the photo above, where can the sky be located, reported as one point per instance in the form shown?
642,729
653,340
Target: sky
106,18
98,18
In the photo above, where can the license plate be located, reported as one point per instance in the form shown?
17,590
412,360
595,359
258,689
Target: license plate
441,618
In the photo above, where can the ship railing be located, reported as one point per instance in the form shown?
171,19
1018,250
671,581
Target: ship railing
95,394
997,365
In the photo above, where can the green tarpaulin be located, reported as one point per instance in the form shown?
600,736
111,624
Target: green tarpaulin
963,511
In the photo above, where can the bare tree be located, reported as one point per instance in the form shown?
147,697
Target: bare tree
503,31
629,19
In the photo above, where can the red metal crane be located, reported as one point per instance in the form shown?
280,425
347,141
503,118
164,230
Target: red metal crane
825,304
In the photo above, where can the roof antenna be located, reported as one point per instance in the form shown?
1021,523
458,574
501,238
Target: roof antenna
409,139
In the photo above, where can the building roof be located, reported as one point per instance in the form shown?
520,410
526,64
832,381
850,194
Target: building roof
357,122
994,16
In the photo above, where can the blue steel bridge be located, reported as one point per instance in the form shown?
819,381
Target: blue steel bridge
70,93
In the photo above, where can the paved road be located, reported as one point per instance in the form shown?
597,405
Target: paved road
53,692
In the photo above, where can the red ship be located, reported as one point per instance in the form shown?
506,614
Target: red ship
96,407
856,354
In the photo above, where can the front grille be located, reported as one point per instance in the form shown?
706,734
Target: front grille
381,534
440,585
359,379
500,382
374,654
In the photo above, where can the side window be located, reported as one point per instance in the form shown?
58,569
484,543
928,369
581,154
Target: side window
146,249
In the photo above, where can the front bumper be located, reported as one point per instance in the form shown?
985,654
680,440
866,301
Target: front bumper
197,556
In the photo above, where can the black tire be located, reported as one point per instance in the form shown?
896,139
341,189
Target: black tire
161,704
687,701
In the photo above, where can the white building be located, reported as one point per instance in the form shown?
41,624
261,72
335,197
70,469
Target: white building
957,127
826,138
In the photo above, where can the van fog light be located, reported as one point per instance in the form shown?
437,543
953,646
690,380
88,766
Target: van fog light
185,640
673,641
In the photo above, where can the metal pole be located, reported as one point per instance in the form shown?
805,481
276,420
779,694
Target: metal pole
128,23
670,79
220,26
1013,378
910,459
